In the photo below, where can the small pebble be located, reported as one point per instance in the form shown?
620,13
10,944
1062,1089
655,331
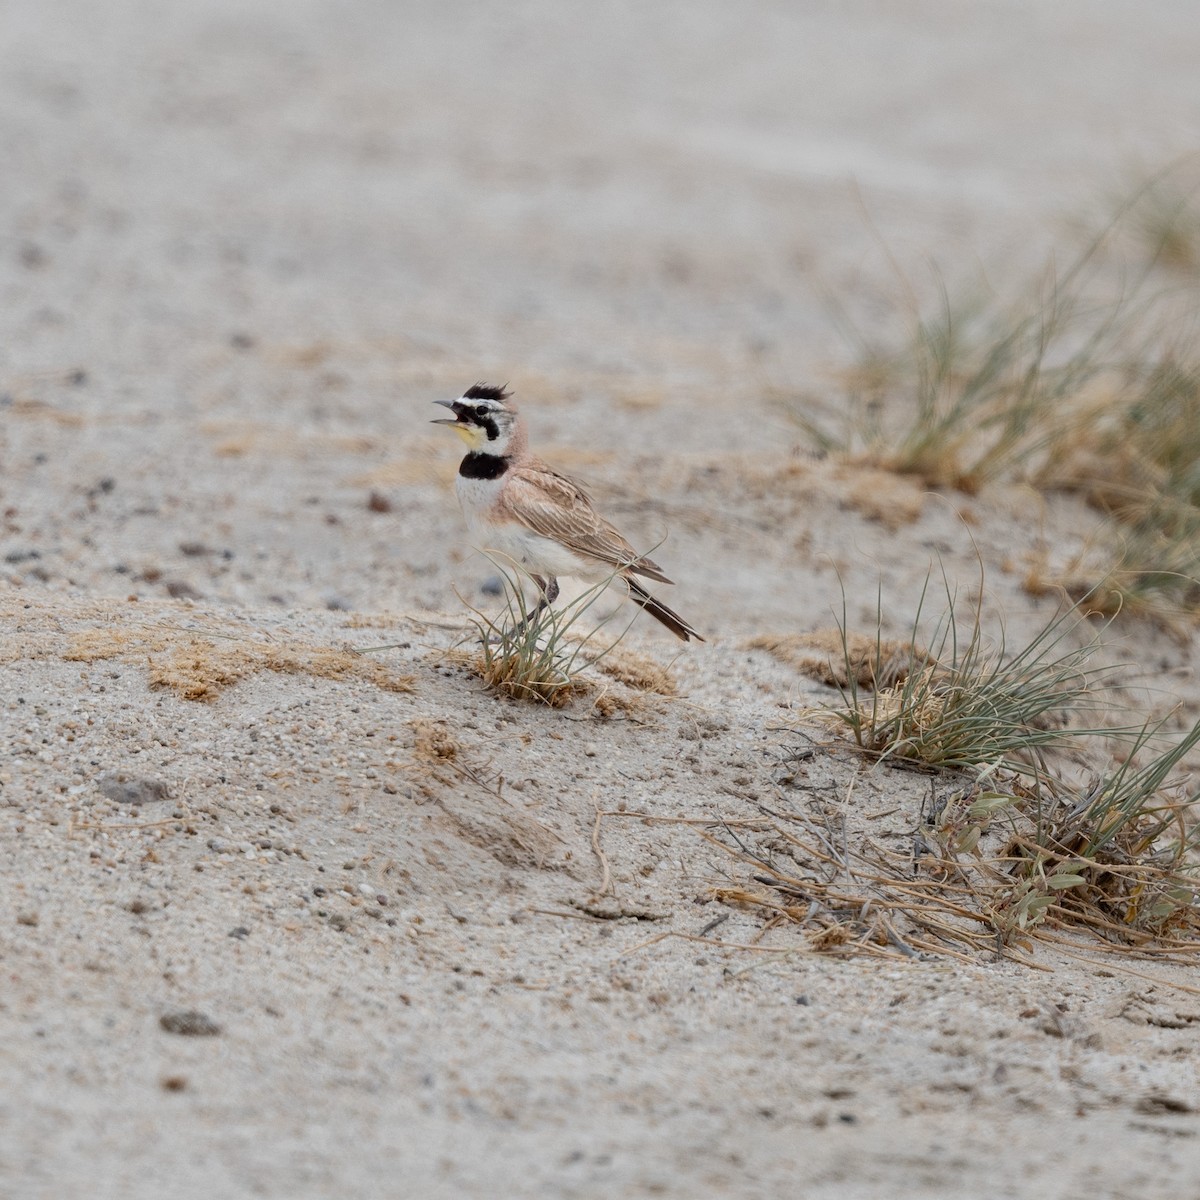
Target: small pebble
189,1023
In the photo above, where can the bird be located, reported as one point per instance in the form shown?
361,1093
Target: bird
526,512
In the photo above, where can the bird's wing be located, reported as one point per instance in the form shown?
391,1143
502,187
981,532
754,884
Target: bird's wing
552,505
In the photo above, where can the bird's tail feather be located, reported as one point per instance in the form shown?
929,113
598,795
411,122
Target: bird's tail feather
660,612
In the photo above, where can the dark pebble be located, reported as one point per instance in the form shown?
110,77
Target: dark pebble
189,1023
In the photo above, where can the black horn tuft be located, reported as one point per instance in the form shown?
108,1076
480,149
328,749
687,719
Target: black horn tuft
483,391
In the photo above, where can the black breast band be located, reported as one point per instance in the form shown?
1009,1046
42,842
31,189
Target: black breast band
482,466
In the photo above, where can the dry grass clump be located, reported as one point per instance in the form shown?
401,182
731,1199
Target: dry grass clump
1137,460
539,654
1117,857
433,741
636,670
891,500
1108,589
200,668
538,677
985,869
978,386
1015,842
1164,219
94,645
839,657
967,701
1088,382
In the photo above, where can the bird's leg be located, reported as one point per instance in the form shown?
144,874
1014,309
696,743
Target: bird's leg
548,586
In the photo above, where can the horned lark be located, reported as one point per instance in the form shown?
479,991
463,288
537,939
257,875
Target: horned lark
527,513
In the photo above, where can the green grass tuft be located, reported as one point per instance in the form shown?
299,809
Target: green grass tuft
965,702
538,656
1088,382
1025,840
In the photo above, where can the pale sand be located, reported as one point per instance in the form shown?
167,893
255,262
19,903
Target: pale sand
268,236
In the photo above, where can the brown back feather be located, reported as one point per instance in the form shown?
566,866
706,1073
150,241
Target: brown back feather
556,507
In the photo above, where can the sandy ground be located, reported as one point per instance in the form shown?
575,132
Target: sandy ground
369,935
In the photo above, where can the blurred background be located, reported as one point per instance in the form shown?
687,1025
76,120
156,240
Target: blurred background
243,246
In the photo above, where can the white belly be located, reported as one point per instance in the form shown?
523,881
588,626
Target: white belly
511,544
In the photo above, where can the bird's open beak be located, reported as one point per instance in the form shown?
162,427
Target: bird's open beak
453,406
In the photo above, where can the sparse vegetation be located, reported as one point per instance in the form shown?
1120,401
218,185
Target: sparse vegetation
1164,218
1137,459
1089,383
538,654
841,658
979,385
961,702
1015,839
201,666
